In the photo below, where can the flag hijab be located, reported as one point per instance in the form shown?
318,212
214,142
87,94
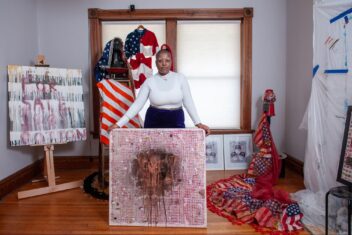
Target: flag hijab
116,100
167,47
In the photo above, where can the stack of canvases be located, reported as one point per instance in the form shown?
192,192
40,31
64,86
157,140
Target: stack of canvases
250,198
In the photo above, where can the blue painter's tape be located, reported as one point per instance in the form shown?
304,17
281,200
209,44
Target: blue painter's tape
315,70
342,15
336,71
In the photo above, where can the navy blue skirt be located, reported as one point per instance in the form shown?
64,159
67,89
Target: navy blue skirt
162,118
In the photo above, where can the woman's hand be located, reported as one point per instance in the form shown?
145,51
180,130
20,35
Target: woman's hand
204,127
113,127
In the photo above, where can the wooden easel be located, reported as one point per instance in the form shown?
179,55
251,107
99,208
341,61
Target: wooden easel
49,175
49,167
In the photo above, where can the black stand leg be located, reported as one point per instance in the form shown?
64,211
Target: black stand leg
101,166
327,213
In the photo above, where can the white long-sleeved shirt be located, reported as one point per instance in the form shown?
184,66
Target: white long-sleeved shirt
164,92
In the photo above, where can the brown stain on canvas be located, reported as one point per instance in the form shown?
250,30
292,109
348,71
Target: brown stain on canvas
156,172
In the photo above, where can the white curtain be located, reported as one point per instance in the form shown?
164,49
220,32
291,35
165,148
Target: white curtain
326,112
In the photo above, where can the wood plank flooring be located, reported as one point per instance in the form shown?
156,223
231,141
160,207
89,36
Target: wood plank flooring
74,212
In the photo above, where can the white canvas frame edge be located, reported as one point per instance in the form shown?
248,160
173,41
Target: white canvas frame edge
227,155
111,223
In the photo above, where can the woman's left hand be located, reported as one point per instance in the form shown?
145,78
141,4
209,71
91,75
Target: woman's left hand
204,127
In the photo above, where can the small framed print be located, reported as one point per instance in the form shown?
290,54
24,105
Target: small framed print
344,174
214,152
237,151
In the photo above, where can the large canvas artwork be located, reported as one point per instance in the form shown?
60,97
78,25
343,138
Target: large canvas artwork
157,178
344,174
45,105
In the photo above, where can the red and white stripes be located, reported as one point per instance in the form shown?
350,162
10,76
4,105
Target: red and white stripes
116,99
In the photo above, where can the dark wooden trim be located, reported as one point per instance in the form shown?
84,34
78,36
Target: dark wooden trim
246,70
248,12
171,38
76,162
245,15
95,53
294,164
26,174
19,178
163,14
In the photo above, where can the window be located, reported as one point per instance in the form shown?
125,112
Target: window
232,79
208,53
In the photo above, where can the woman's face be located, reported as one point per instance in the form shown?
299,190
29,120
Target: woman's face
163,63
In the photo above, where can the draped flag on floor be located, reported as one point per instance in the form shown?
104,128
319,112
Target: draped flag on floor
251,198
291,218
116,99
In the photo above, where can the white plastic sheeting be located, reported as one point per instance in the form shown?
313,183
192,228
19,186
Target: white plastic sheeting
326,113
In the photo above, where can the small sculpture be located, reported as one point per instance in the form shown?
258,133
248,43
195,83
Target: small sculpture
269,98
112,63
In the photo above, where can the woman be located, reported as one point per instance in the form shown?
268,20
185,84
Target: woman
167,92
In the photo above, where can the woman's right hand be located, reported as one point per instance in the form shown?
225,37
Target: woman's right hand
113,127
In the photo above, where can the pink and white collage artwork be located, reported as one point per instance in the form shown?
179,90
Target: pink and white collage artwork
45,105
139,196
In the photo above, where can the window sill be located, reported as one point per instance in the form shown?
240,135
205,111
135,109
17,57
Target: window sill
230,131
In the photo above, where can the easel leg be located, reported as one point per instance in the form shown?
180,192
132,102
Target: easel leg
49,164
49,170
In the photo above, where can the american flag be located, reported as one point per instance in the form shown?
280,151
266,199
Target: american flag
291,218
140,46
116,99
264,141
262,136
267,215
264,217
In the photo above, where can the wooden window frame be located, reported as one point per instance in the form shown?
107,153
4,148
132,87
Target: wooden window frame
171,16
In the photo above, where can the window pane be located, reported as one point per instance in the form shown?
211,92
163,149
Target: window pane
122,28
208,54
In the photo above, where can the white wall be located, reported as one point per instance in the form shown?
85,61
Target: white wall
18,45
299,72
63,37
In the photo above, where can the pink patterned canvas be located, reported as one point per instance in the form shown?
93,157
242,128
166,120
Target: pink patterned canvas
157,178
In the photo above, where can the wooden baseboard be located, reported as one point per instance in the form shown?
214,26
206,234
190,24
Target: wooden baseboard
294,164
72,162
19,178
26,174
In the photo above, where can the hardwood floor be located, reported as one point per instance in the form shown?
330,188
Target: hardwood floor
74,212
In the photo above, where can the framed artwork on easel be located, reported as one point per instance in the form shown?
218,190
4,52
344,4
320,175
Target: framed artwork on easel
45,105
344,174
